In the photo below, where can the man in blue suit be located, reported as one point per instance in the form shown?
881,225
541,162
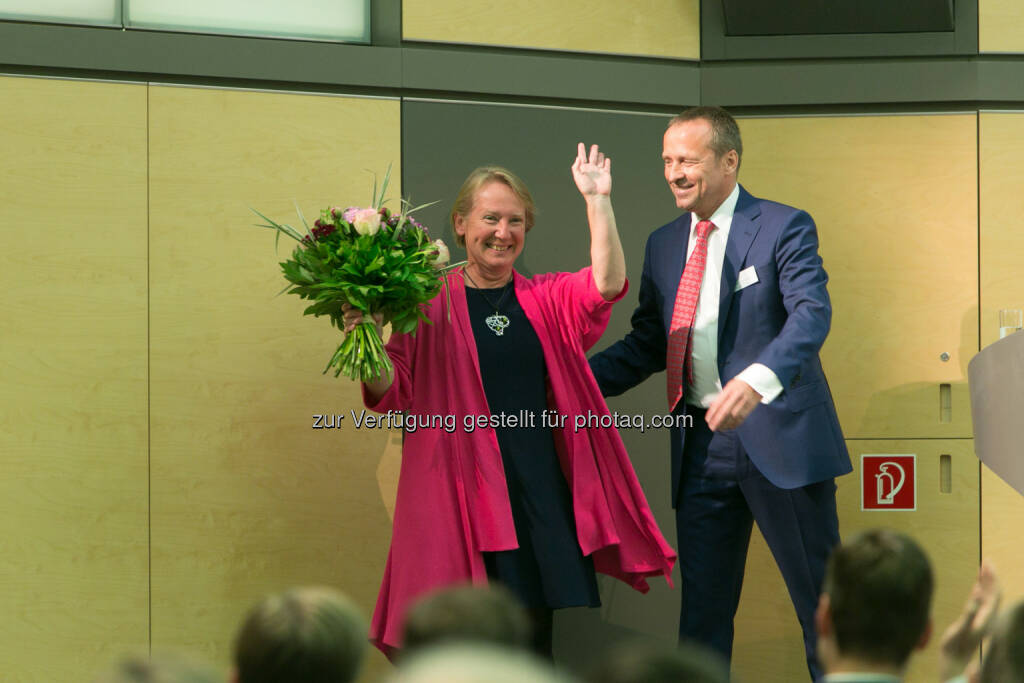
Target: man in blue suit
738,330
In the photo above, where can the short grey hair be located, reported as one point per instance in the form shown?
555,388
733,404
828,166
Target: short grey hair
725,132
476,663
310,632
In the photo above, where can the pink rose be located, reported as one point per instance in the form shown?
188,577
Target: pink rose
366,221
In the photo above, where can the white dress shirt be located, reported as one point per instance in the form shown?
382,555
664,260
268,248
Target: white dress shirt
706,382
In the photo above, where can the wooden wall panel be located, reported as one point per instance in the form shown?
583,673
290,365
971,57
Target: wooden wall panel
768,646
1002,203
248,498
1002,508
1002,244
1000,26
73,406
654,28
895,201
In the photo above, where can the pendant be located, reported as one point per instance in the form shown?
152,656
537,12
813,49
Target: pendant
497,323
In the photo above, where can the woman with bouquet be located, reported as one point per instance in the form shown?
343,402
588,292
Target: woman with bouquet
516,494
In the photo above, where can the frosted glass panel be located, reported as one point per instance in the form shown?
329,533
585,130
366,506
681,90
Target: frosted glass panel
346,20
105,12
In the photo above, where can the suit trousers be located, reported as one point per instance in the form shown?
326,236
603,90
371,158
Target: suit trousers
721,494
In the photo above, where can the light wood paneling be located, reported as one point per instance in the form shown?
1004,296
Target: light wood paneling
1002,247
1002,204
655,28
73,498
769,646
1000,26
1002,508
895,201
248,498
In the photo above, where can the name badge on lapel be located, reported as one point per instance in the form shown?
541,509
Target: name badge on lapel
747,277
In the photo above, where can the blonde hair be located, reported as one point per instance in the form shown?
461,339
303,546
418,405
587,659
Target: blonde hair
480,177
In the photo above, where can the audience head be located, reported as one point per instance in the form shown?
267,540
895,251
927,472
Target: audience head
876,601
314,635
641,662
475,663
489,614
161,668
1004,656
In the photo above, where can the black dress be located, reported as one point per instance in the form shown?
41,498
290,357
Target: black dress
548,569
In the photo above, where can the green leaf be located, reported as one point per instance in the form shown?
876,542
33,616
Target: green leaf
378,202
421,206
303,219
280,227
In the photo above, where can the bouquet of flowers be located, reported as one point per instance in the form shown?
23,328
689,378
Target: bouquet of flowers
373,259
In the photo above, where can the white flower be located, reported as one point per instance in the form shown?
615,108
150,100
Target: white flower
442,256
366,221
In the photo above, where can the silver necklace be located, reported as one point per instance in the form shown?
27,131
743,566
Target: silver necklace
497,322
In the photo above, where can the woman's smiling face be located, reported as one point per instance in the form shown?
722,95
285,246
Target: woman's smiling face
494,230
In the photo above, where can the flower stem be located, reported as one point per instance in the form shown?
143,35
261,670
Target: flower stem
361,355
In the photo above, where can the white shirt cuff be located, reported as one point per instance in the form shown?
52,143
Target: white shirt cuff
762,380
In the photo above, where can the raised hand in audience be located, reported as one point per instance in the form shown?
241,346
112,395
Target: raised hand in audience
962,638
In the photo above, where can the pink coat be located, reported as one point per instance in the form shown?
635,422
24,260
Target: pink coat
452,501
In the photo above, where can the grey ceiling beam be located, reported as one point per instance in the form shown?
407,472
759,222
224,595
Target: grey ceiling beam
149,53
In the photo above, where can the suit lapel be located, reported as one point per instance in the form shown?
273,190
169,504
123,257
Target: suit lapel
746,221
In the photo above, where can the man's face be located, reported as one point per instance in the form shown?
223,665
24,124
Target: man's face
699,180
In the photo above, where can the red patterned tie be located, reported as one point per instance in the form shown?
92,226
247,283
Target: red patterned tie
680,335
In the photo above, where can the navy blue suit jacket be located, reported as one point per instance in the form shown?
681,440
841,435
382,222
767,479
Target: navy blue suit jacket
780,321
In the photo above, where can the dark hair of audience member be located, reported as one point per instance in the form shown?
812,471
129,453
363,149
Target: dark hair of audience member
314,635
880,587
478,614
1004,656
641,662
